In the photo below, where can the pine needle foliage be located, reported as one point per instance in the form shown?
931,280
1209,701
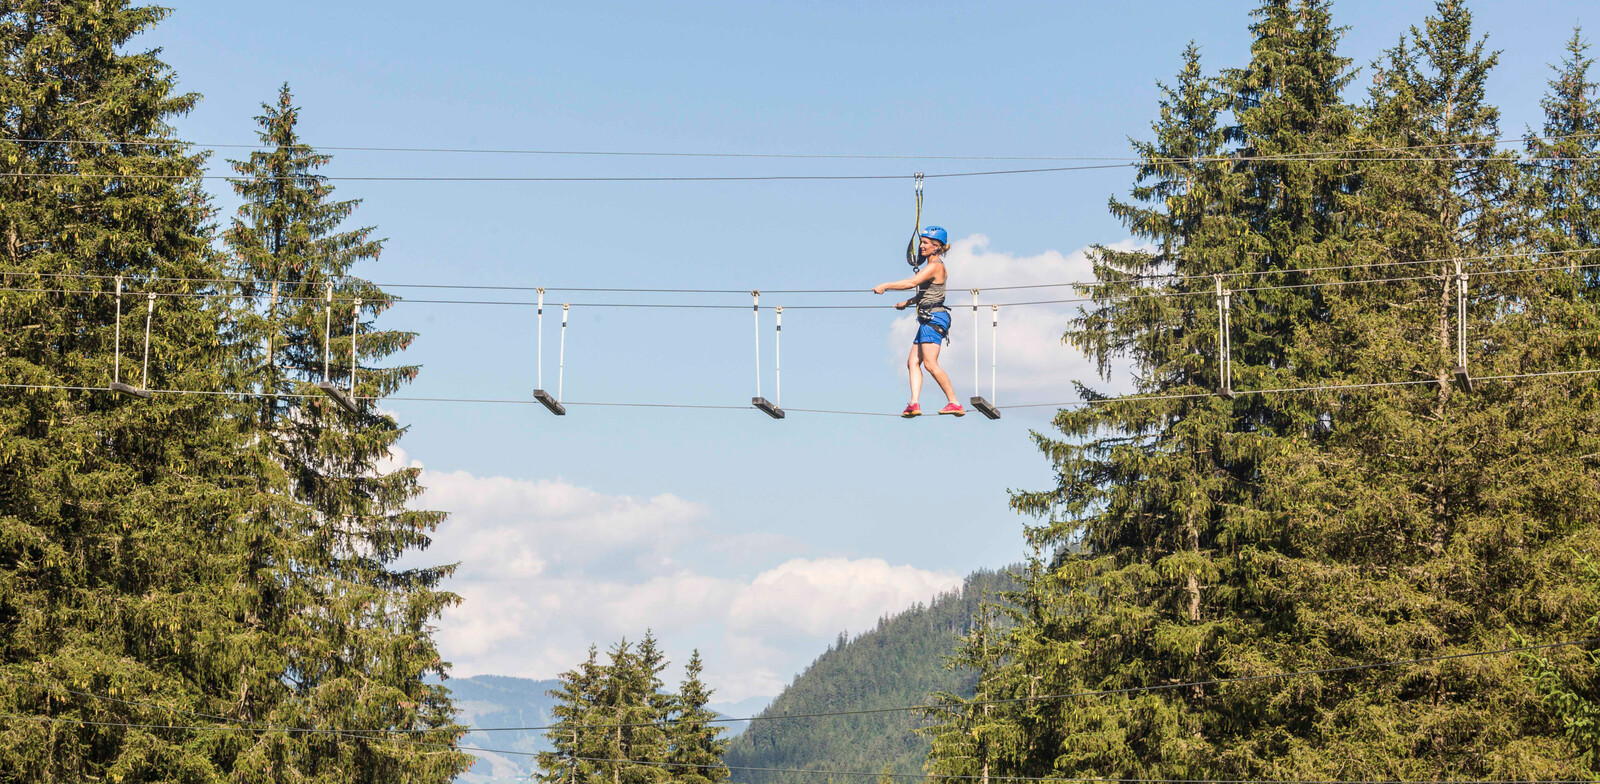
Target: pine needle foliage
116,514
1200,536
615,724
323,542
190,559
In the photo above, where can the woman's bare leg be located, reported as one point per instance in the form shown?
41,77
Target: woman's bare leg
930,360
914,366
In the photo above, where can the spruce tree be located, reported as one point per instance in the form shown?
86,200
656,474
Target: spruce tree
696,745
116,513
1153,492
576,748
1563,182
323,542
1304,530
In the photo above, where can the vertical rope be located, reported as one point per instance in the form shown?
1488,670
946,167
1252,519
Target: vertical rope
355,326
755,296
272,321
914,250
777,360
327,335
116,367
994,355
974,341
561,372
1224,345
149,314
541,338
1461,316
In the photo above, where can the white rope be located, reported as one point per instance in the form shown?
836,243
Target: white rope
149,314
355,326
327,336
272,318
974,341
994,356
116,366
541,339
1461,316
1224,341
777,360
561,372
755,296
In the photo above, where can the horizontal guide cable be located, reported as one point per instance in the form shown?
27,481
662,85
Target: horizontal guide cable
248,726
263,146
877,306
1154,278
738,178
1064,404
805,771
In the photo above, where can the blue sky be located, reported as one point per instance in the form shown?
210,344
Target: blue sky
753,539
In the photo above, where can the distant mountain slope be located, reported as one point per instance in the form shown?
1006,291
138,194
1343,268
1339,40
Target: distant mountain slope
899,663
503,701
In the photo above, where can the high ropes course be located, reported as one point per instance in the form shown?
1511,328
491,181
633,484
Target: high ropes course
1220,287
1455,273
346,370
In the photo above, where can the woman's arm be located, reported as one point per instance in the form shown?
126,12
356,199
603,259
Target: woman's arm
909,283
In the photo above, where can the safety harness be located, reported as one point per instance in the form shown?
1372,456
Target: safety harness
925,317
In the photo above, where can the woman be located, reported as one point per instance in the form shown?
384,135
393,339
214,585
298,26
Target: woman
933,319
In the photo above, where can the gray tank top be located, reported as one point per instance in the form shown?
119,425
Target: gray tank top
930,297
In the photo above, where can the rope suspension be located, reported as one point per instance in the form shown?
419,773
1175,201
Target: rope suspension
985,407
561,369
355,328
539,394
327,386
913,253
1224,340
272,317
1463,377
768,407
144,366
116,362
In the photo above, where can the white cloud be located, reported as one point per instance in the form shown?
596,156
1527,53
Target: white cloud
547,568
826,596
1034,364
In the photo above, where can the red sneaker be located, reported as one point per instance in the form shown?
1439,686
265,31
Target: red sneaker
953,408
911,411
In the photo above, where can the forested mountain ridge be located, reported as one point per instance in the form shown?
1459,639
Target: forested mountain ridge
900,662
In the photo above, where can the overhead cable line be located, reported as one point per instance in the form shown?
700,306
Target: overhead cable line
714,407
1065,779
1171,278
912,708
708,306
805,771
772,177
459,178
678,154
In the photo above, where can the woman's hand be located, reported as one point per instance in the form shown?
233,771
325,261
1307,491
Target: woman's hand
880,288
901,305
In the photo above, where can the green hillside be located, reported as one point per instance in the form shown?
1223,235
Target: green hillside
898,663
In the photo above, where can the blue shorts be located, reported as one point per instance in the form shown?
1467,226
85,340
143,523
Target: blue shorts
926,333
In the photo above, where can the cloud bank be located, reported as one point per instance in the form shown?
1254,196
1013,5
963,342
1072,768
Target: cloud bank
547,568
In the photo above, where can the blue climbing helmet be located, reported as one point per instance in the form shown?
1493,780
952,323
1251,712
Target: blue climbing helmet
936,233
